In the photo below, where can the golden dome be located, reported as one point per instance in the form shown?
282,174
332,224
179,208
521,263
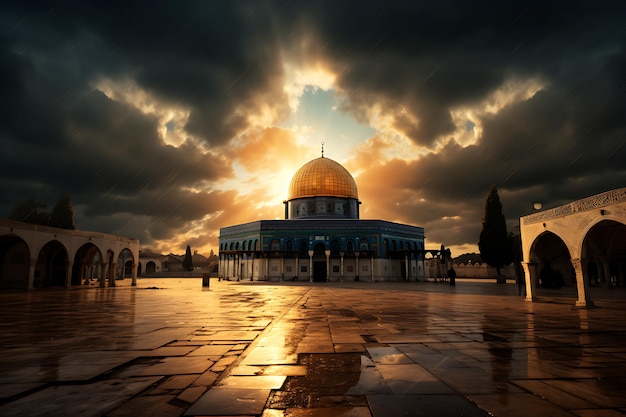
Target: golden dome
322,177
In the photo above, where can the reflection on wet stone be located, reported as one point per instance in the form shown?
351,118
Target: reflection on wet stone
280,350
327,375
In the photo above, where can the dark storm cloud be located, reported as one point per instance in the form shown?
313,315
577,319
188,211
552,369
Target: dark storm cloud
431,57
222,61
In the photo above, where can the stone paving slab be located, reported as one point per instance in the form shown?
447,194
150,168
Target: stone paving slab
170,348
94,399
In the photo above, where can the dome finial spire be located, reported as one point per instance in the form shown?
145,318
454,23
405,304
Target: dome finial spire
322,149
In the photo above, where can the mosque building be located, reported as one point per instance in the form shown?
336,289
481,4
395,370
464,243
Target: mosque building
322,237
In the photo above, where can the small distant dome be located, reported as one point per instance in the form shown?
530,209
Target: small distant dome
322,177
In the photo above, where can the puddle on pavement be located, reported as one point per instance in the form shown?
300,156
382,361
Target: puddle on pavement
329,376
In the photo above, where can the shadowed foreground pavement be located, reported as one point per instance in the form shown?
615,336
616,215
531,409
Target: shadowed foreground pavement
168,347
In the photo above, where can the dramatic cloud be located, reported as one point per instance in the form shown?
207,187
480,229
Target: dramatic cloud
168,121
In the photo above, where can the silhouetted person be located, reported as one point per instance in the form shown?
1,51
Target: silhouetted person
452,276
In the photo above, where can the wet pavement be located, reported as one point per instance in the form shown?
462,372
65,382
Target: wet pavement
170,347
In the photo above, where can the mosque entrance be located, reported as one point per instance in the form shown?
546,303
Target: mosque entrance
319,263
319,271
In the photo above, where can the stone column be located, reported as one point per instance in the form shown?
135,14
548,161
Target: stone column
341,265
298,267
282,266
372,267
607,271
327,253
31,274
357,253
102,276
530,272
407,266
134,276
580,266
112,272
68,274
310,266
252,271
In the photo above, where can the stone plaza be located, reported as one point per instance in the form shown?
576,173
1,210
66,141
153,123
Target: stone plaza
171,347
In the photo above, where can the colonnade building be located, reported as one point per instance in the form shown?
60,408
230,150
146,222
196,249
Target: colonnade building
322,237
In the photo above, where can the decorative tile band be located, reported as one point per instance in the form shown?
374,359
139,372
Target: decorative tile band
586,204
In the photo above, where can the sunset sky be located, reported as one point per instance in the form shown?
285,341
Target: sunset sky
165,121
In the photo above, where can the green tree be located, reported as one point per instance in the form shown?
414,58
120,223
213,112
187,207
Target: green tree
63,214
187,260
495,244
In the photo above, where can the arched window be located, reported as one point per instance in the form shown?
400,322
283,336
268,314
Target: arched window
289,245
304,248
275,244
364,244
349,245
245,245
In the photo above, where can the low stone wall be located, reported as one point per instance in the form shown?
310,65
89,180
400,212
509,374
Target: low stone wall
434,269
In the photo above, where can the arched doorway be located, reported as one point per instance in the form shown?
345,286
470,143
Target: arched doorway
150,267
86,263
604,247
553,262
124,264
51,269
14,262
319,263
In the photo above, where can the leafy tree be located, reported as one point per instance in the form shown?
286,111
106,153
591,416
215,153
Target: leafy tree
63,213
187,260
495,243
30,211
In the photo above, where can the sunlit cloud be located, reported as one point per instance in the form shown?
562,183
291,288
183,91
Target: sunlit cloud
469,119
171,119
300,77
171,127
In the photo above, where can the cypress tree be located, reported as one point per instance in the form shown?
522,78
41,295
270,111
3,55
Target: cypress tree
63,214
187,260
495,244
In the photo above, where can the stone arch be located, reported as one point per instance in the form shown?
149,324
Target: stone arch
552,258
603,247
125,261
52,265
86,263
150,266
14,262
